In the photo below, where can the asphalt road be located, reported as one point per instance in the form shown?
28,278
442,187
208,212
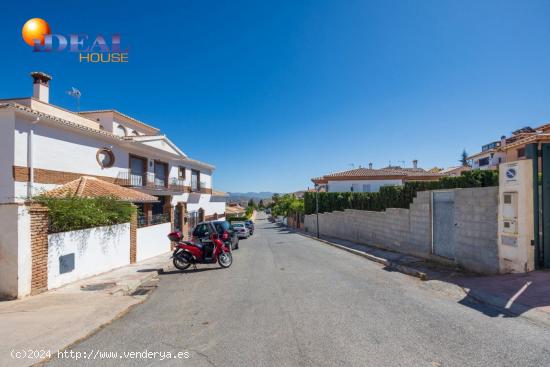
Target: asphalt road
292,301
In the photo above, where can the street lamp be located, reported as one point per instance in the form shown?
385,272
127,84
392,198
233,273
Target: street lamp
317,188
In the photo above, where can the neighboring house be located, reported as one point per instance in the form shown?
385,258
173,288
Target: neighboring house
454,171
43,146
235,210
372,179
509,149
489,157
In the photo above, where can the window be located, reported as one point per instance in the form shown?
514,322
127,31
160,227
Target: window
366,187
521,152
195,180
160,174
181,173
120,130
201,230
137,171
483,162
105,157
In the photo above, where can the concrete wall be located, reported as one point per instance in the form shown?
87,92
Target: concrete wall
96,250
152,241
517,255
409,230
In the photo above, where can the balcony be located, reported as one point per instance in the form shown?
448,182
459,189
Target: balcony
149,182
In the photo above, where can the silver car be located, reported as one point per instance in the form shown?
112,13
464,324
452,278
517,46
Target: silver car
240,229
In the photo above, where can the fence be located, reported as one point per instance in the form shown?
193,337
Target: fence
472,215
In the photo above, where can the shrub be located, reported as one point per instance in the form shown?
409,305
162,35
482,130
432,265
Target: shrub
395,196
72,213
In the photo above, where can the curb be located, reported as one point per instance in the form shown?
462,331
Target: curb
393,265
515,310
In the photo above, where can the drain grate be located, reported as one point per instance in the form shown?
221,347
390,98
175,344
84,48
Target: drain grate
97,286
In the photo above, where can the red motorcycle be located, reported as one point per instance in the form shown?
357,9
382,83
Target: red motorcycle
202,252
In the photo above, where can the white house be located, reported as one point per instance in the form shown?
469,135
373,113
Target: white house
371,179
43,146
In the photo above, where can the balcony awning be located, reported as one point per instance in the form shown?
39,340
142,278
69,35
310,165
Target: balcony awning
87,186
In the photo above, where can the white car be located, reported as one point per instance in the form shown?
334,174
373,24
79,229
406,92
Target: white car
240,229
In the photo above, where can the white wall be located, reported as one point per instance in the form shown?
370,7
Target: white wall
24,252
8,251
7,124
152,241
210,207
15,251
345,186
96,250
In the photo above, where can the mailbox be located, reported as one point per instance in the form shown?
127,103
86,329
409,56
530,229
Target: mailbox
510,212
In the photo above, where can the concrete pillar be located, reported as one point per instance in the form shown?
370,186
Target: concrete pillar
148,213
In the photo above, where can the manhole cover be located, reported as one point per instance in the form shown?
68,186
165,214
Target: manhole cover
97,286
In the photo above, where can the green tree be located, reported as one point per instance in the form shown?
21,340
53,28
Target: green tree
464,158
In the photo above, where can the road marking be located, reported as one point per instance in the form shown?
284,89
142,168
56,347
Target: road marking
515,296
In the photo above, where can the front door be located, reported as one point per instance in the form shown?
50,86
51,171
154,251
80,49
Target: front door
443,222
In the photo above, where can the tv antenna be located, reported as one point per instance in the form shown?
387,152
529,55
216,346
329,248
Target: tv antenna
75,93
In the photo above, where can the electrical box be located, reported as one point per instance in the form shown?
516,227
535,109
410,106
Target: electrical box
510,212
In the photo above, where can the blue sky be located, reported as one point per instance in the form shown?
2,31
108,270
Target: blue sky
276,92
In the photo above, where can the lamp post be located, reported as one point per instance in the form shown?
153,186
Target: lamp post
317,188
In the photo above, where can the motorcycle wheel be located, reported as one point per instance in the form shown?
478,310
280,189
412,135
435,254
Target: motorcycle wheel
225,259
181,262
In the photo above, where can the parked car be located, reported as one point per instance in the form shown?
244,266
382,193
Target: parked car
250,225
223,228
241,229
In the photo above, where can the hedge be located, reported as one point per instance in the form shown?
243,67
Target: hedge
72,213
395,196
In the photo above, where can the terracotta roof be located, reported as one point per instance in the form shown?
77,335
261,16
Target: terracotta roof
87,186
235,209
371,173
61,121
219,193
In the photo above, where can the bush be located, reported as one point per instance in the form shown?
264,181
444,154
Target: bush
395,196
72,213
238,219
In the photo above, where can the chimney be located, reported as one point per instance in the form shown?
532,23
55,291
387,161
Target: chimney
41,86
415,163
503,140
370,165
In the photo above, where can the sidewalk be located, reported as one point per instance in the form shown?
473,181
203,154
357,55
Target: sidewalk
55,319
526,295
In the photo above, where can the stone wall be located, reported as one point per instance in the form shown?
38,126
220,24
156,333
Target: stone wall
409,230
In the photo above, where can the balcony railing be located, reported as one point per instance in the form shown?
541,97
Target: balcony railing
151,181
155,219
176,184
131,179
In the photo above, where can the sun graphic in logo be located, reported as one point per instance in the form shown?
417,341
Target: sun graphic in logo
35,29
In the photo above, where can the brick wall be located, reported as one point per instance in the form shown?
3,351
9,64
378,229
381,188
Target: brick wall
39,248
133,238
409,230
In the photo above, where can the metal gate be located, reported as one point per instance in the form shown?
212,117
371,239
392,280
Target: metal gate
192,220
177,218
443,224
